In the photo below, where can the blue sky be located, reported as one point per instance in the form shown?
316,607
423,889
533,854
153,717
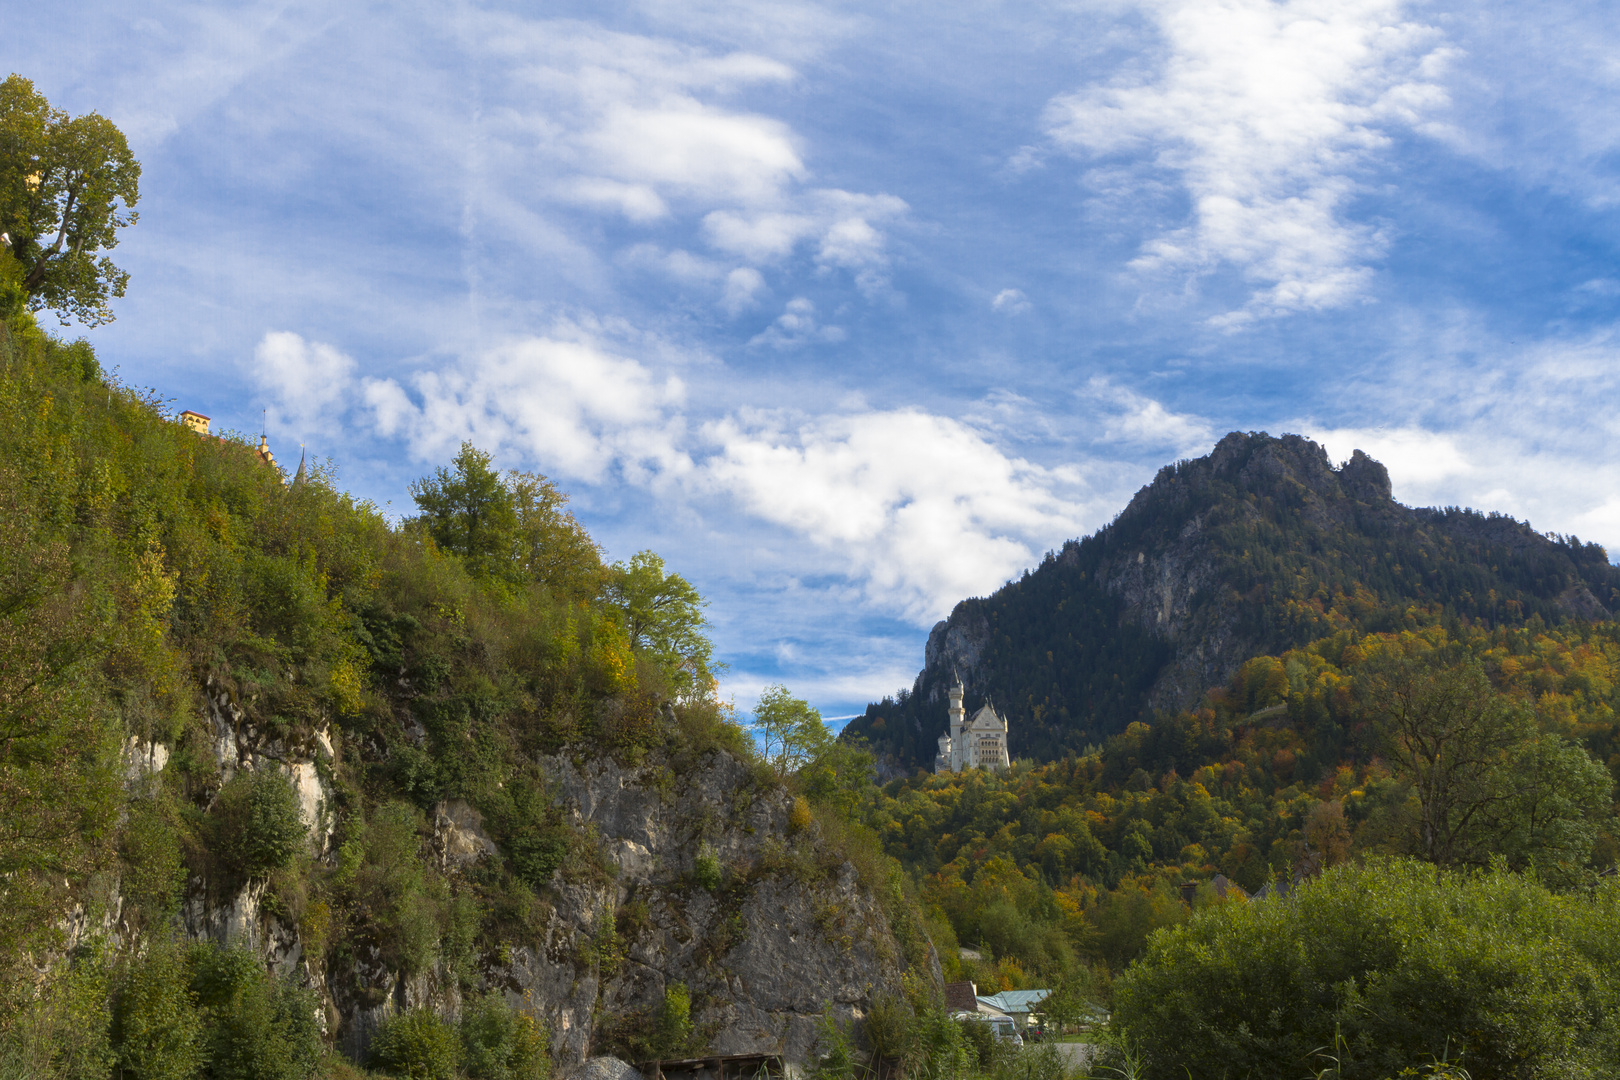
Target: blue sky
851,314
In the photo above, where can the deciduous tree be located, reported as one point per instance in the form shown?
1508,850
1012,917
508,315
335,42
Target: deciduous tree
791,731
663,616
67,185
469,510
1488,781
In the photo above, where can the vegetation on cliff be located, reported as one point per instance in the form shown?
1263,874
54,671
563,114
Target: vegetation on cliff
155,583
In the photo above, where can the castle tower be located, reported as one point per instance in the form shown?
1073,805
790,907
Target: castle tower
958,721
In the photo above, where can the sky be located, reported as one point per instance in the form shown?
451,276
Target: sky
853,311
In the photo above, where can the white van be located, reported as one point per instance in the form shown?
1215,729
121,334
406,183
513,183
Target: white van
1001,1027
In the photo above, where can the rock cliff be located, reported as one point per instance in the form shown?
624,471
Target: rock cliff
786,930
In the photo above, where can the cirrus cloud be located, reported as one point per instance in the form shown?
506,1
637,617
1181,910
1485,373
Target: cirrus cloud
1266,111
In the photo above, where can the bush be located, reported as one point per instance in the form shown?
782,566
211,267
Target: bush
256,824
500,1043
416,1045
59,1030
675,1022
706,870
1491,970
257,1027
835,1054
154,873
157,1031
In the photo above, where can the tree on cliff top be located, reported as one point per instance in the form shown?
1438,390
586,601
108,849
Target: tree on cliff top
67,185
513,528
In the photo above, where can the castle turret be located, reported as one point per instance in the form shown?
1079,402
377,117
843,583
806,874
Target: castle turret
958,721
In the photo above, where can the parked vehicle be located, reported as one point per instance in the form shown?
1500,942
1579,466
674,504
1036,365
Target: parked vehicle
1001,1027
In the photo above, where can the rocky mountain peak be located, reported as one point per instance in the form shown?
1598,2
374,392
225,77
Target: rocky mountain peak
1260,546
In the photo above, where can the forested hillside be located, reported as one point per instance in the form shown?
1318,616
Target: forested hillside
1489,756
286,788
1260,547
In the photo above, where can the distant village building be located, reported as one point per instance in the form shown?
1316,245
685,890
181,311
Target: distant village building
196,421
980,743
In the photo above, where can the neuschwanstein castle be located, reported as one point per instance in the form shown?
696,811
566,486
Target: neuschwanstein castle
980,743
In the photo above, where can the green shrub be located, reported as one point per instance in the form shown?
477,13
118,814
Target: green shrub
889,1023
675,1022
157,1030
500,1043
58,1030
416,1045
1490,969
537,854
835,1053
706,870
257,1027
154,873
256,824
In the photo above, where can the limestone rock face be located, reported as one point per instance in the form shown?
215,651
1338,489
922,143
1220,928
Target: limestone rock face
238,744
601,1068
459,834
790,929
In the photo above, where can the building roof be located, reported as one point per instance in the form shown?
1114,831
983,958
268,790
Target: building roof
194,412
986,719
1016,1001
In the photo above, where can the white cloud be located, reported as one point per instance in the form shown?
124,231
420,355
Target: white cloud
645,128
922,510
796,326
678,264
307,381
1011,302
638,202
1417,460
757,237
696,149
846,223
1266,110
568,403
743,286
1138,421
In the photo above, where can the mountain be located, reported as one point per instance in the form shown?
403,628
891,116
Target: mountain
1261,546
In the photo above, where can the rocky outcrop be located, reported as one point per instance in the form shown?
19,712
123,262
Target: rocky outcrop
238,743
788,931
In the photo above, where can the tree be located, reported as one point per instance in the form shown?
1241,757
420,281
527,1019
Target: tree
1386,966
1550,821
1453,735
67,185
549,545
663,617
792,732
469,510
1488,782
59,779
511,528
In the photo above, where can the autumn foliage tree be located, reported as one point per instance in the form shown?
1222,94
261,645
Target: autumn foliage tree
67,186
